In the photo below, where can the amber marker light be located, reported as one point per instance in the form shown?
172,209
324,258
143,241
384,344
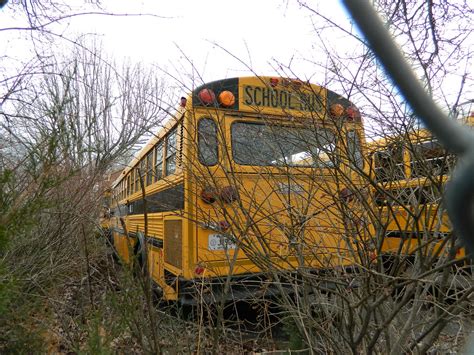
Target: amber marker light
226,98
336,110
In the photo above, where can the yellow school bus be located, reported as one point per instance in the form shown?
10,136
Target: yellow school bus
249,177
106,203
410,172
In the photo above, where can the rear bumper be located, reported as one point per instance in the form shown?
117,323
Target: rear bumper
223,289
256,287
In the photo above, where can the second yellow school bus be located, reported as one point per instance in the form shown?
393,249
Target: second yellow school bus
411,172
247,179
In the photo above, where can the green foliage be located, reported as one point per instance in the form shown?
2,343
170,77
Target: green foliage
18,333
98,342
18,209
296,341
6,200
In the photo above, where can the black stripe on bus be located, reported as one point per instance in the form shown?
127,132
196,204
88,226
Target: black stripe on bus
170,199
121,233
158,243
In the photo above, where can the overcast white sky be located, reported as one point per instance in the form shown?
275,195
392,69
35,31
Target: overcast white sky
257,32
260,33
193,41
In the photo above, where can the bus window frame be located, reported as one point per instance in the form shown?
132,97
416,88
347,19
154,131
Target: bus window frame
166,156
142,170
351,156
215,126
129,184
132,181
419,148
158,148
149,167
136,178
335,162
400,165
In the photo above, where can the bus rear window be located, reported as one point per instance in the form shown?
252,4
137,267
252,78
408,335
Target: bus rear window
265,145
389,164
354,151
207,142
430,158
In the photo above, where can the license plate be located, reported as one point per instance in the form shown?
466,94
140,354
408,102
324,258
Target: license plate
220,242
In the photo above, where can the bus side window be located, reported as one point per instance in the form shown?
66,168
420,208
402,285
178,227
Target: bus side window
137,179
129,188
207,142
149,168
142,171
170,160
389,163
159,161
132,182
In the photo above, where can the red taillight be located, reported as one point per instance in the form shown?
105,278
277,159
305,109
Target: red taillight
199,270
224,226
273,82
207,96
208,195
229,194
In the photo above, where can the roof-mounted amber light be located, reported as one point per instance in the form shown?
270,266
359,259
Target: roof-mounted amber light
336,110
226,98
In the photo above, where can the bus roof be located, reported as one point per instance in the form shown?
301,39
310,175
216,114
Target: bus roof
413,135
272,95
